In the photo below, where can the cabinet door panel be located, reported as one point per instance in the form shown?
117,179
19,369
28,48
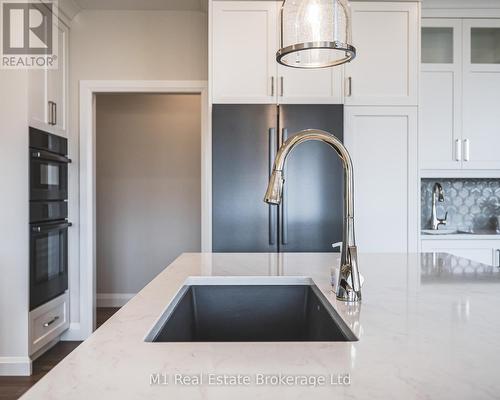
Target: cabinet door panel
37,87
50,85
481,120
57,81
440,123
382,143
440,131
244,40
385,69
481,99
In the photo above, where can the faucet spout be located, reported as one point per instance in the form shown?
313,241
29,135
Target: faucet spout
348,284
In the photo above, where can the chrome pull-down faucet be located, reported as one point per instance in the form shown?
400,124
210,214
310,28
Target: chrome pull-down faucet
348,283
437,195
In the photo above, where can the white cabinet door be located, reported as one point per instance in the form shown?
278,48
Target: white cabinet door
440,132
244,41
57,83
483,251
383,142
310,86
481,94
37,93
385,70
48,91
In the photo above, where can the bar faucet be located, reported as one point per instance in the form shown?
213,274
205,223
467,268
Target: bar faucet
437,195
348,283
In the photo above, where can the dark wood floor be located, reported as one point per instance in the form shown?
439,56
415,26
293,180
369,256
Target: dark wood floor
14,387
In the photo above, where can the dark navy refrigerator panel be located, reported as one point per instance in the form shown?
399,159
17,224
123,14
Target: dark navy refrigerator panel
245,141
311,212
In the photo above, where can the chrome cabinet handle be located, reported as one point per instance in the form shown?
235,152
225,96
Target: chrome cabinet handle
349,87
47,324
466,149
50,111
498,258
458,150
54,122
272,85
272,209
282,84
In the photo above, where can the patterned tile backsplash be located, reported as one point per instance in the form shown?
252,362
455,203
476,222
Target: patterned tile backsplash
472,204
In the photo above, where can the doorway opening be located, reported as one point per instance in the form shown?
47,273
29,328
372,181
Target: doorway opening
148,189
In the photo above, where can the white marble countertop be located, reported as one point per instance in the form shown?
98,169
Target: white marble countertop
421,335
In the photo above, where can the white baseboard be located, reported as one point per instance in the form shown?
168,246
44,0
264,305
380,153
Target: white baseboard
113,299
15,366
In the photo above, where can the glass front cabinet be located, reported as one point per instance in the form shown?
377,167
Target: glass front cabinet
460,94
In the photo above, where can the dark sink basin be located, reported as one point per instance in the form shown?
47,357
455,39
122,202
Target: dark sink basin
250,313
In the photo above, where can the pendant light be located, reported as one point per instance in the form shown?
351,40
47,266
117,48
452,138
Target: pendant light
315,33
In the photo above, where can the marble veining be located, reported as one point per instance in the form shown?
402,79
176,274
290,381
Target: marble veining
472,204
421,336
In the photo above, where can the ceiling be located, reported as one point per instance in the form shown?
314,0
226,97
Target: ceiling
177,5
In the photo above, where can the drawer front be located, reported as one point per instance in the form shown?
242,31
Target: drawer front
48,321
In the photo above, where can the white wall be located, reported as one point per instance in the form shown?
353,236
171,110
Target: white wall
14,217
121,45
148,188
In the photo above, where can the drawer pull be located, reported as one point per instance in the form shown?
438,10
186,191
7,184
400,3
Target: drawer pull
47,324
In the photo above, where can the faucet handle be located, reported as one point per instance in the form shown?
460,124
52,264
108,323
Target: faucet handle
442,221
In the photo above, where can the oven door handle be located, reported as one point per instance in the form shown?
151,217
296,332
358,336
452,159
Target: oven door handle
51,227
45,155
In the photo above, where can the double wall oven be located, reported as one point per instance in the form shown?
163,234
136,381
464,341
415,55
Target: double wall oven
48,216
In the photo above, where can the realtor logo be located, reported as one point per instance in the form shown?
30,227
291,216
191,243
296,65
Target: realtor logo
29,34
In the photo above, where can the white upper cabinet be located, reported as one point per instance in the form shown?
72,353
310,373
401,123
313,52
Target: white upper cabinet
57,83
385,70
244,37
481,94
382,142
441,86
48,91
460,98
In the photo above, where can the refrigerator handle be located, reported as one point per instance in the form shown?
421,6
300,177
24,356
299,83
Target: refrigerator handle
284,199
272,209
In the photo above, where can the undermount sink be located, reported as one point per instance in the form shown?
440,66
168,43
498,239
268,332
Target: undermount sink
249,310
439,231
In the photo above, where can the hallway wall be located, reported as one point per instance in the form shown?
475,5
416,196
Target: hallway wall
148,188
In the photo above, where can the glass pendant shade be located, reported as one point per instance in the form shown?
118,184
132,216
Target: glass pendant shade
315,33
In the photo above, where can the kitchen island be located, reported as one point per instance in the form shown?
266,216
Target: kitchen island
428,328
